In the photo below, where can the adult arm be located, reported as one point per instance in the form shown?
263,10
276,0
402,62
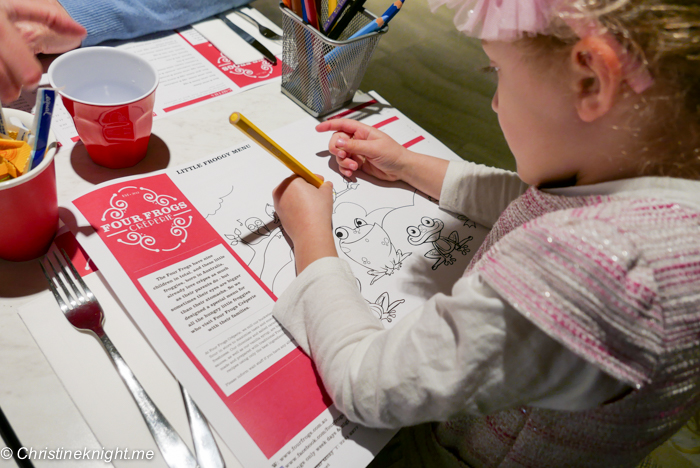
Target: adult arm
126,19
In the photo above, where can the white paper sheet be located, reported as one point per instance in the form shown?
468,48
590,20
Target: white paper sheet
176,246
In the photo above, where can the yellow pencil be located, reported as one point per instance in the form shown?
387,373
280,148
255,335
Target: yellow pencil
255,134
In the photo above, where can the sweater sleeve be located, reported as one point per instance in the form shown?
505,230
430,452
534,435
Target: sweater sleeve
467,353
479,192
580,277
125,19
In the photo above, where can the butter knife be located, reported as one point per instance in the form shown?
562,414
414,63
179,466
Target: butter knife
205,448
248,38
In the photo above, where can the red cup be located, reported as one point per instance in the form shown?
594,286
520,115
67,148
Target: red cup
29,206
110,94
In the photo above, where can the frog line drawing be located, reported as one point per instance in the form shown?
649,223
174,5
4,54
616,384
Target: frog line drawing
363,240
467,222
430,231
384,308
268,253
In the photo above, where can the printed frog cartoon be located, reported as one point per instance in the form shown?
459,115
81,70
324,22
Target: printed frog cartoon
384,308
429,231
369,245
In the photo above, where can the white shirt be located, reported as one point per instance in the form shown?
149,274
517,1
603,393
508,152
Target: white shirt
467,353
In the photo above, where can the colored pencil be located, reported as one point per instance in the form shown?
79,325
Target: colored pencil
372,26
310,15
297,8
392,10
340,25
254,133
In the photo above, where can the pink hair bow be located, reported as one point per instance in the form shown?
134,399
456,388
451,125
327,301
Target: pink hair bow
508,20
502,20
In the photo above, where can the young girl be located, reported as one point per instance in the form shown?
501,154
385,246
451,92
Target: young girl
573,337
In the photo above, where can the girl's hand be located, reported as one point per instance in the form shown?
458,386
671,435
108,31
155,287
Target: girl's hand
305,212
358,146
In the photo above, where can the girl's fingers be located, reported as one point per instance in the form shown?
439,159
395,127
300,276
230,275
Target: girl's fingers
357,161
347,164
348,126
333,143
355,146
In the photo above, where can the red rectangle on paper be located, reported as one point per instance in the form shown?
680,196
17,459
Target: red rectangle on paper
243,74
385,122
149,224
195,101
66,242
280,402
354,109
408,144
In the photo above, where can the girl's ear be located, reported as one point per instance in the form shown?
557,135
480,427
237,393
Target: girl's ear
598,76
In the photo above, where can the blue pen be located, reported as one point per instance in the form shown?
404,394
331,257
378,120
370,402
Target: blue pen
43,112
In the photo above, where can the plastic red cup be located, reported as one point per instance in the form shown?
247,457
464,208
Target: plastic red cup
110,95
29,206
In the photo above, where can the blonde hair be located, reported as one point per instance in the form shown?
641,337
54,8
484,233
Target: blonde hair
664,37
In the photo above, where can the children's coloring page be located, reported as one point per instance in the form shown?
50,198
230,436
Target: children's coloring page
400,245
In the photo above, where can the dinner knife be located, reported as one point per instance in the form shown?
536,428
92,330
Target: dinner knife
248,38
208,455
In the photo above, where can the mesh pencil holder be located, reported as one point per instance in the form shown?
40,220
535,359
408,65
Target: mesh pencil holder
321,74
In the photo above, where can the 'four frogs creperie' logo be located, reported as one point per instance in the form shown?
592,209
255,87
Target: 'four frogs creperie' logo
159,222
259,70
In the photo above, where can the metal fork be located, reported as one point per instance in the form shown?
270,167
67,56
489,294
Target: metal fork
265,31
84,313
